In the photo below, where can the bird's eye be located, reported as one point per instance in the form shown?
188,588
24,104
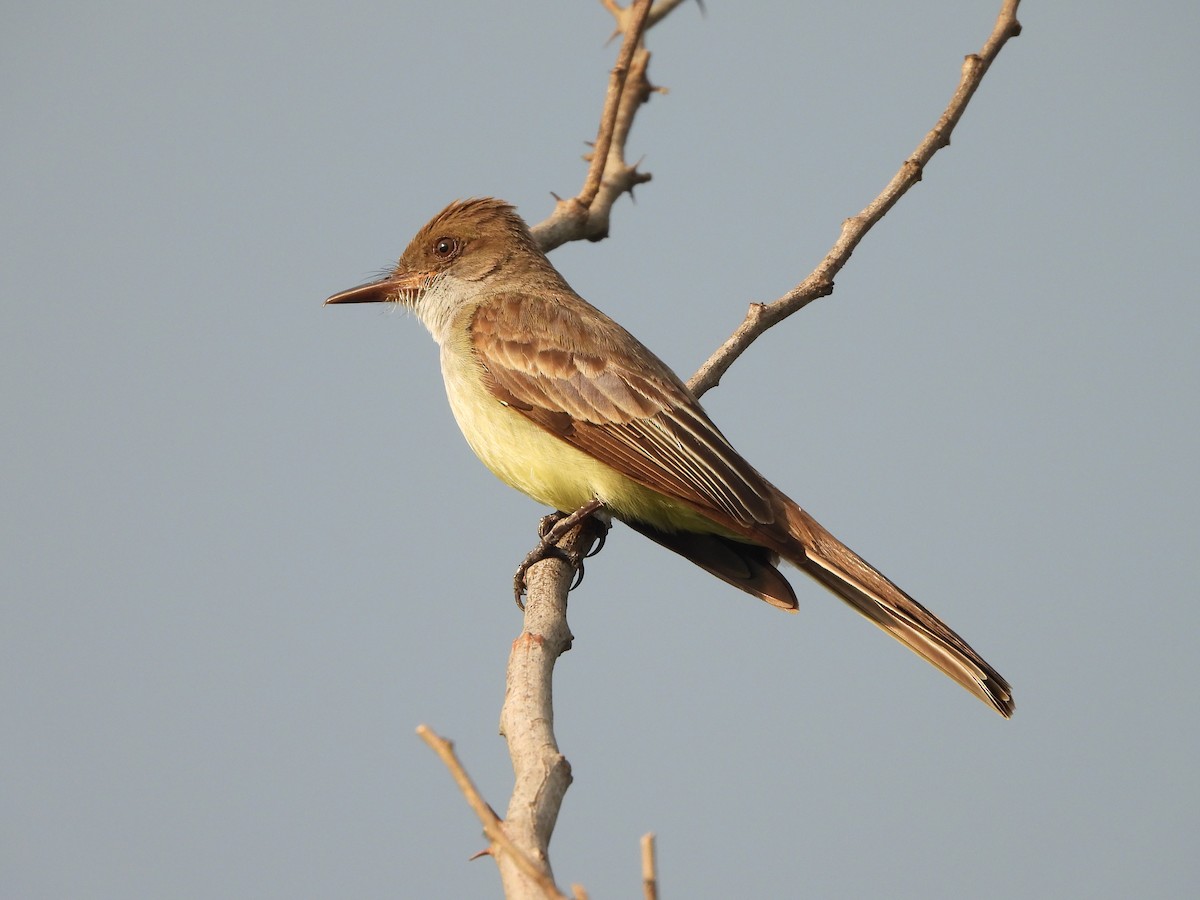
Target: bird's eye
446,247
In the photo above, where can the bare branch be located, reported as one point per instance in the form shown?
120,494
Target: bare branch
649,868
541,773
634,26
586,215
663,8
492,826
820,283
658,12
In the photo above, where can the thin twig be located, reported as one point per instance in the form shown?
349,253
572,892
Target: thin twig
492,826
662,9
820,283
639,12
659,11
649,868
586,215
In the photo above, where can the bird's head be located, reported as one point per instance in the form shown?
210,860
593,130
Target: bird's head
469,251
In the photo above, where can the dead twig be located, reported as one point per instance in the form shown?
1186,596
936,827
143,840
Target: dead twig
586,215
649,868
820,283
492,826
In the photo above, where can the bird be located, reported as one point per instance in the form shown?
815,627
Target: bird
563,404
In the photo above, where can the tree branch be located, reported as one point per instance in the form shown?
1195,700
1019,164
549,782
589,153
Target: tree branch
500,847
541,773
762,316
649,868
635,25
586,215
658,12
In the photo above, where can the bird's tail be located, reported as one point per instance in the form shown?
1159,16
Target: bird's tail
848,575
749,567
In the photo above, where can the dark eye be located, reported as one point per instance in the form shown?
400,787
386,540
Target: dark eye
446,247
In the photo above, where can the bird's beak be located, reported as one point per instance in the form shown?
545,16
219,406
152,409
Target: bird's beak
395,289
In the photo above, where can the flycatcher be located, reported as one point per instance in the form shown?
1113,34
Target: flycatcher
564,404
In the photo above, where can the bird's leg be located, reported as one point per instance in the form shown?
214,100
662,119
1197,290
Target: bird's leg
552,529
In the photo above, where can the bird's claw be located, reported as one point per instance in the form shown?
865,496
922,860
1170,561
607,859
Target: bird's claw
603,536
550,530
543,551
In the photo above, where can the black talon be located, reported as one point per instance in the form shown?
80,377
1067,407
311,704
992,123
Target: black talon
599,543
533,557
578,579
550,529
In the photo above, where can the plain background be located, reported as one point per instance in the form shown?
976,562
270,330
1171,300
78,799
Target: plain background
246,552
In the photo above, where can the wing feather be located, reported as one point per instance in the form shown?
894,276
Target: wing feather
592,384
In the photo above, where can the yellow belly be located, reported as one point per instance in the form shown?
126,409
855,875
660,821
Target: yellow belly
546,468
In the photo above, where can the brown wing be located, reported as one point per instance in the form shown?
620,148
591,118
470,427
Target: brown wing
589,382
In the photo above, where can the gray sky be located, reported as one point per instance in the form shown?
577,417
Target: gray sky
246,552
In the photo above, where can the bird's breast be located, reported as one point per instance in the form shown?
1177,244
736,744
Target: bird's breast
547,468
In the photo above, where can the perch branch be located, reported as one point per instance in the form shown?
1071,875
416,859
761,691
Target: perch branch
541,773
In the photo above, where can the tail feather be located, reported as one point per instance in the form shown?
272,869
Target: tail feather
749,567
866,589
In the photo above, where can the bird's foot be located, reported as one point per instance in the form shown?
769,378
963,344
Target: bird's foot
551,530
